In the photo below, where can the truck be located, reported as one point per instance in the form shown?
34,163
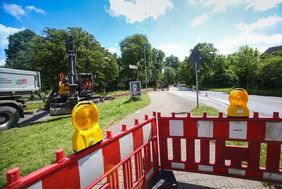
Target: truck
13,84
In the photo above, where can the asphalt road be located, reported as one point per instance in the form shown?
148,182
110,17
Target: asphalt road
265,105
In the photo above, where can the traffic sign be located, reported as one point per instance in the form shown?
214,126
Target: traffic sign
134,67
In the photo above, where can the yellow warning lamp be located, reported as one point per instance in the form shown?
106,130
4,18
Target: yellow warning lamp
238,99
85,119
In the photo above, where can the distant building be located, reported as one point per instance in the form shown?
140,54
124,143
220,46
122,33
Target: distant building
273,49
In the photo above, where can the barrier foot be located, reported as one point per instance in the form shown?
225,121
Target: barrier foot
163,179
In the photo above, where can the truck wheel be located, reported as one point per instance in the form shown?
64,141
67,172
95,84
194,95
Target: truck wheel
9,117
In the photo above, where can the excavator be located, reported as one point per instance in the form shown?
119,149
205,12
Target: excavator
72,88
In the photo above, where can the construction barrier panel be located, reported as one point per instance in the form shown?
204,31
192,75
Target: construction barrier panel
222,146
128,159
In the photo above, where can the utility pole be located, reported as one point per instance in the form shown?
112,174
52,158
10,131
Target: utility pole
145,66
197,88
195,58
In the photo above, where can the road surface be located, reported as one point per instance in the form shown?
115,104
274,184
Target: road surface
265,105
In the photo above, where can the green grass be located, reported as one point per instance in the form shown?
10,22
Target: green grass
34,105
33,146
227,90
199,111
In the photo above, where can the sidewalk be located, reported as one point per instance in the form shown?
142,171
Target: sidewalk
164,102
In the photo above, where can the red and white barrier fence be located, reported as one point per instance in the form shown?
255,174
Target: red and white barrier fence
193,144
201,144
128,159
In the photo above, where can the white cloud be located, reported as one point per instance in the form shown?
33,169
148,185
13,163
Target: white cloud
112,50
262,5
17,10
199,20
139,10
223,5
179,50
37,10
260,41
260,24
5,32
14,10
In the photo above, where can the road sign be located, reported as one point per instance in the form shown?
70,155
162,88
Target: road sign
133,67
195,56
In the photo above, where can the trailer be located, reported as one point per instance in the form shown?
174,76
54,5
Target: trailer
13,84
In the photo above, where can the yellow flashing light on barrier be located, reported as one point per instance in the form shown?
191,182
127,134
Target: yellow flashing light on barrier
238,99
85,119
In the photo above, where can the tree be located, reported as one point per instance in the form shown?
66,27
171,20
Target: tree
172,61
244,63
169,75
48,55
157,65
17,48
186,73
132,53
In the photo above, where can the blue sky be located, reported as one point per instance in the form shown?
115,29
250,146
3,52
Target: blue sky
174,26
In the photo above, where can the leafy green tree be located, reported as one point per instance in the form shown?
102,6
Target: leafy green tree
17,48
48,54
169,75
186,73
172,61
269,71
157,65
245,63
132,53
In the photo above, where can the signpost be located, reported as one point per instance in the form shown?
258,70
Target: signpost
196,58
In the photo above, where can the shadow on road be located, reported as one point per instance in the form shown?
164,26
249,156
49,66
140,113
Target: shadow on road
35,119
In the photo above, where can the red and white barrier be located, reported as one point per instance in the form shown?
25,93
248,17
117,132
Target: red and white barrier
234,161
130,158
124,159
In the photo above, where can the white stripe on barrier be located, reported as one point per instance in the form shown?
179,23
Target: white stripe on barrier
177,165
238,129
239,172
176,128
205,128
147,132
149,174
273,131
272,176
91,167
205,168
37,185
126,145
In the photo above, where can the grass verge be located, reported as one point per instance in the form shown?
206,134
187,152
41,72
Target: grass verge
34,105
33,146
199,111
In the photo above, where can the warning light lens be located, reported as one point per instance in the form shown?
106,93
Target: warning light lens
238,103
85,115
238,97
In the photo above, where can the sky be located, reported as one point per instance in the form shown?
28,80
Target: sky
174,26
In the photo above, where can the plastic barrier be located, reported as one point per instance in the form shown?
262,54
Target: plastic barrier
128,159
201,144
